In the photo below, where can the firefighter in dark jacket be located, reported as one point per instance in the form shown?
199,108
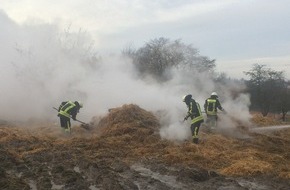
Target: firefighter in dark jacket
67,110
211,106
194,113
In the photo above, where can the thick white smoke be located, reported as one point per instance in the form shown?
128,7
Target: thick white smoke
42,65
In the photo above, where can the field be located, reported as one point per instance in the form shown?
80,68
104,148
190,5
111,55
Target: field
123,150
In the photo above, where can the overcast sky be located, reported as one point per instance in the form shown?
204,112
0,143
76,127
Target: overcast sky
235,33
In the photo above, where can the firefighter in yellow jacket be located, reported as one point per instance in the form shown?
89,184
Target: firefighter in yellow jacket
67,110
194,112
211,106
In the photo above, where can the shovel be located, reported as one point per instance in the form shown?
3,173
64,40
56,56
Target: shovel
83,124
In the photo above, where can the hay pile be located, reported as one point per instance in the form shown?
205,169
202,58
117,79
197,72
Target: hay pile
129,120
261,155
134,128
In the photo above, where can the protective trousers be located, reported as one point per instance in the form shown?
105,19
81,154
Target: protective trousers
65,123
194,131
212,121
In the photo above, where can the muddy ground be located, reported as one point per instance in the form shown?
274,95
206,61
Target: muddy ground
123,150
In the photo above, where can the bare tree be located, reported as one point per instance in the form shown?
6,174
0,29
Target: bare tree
158,56
285,101
266,87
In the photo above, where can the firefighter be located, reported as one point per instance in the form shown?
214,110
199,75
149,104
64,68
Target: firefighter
67,110
194,112
211,106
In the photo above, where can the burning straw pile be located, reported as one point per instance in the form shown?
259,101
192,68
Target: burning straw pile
258,155
129,120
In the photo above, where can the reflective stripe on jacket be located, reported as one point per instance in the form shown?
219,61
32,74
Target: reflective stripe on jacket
194,112
211,107
198,115
65,110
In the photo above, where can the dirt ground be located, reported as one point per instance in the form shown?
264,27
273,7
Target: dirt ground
123,150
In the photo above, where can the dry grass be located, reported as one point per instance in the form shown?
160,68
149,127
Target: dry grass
269,120
130,133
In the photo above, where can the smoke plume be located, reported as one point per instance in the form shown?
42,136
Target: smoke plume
43,65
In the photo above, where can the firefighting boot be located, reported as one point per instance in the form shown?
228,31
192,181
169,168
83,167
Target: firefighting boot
195,140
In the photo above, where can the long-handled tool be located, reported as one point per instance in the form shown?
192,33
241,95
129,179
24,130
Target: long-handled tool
84,125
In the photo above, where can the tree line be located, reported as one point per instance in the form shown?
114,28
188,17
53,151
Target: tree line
269,89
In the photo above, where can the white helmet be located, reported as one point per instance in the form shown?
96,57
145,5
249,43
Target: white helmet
214,94
185,97
80,103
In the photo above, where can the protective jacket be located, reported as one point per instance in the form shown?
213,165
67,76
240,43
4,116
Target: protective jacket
68,109
194,112
211,105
